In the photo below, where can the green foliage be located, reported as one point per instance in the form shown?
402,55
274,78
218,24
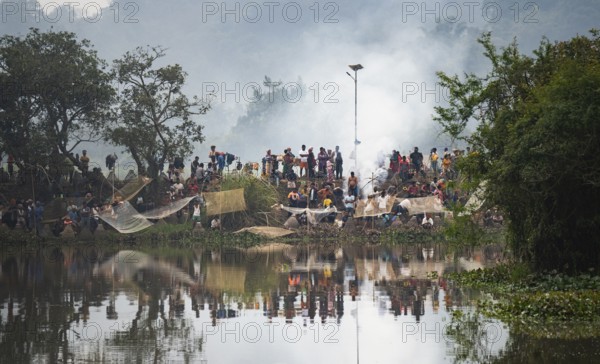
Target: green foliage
464,231
556,305
55,95
464,96
528,299
154,119
537,146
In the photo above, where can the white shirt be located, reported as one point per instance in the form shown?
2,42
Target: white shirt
349,201
383,203
303,155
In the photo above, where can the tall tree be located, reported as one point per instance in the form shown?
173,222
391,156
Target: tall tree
464,96
537,141
56,94
155,118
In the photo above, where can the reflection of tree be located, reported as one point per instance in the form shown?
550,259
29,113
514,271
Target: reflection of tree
473,336
41,307
146,339
47,296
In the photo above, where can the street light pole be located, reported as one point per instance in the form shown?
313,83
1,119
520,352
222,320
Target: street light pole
355,68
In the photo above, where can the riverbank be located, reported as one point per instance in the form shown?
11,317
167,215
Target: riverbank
182,235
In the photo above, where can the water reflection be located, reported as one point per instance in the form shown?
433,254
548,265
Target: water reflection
277,303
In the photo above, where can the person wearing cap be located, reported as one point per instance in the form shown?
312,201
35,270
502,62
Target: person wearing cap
84,162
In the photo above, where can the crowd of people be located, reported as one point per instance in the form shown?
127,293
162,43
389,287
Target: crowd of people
23,214
314,180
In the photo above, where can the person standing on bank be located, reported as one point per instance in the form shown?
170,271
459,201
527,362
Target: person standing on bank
338,163
196,214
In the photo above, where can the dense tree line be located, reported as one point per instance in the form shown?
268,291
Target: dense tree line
536,145
56,93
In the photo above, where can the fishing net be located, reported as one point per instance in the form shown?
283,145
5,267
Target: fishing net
314,216
164,211
218,203
131,176
131,188
124,218
373,207
421,205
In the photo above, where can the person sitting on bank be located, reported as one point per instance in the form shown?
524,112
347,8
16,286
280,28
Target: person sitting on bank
293,198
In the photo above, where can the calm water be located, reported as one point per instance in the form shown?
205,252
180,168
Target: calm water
274,304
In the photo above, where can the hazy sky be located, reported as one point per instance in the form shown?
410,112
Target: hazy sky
229,47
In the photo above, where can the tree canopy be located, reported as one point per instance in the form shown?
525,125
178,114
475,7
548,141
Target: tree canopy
536,143
55,95
154,120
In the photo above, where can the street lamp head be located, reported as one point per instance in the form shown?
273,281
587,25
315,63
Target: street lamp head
356,67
